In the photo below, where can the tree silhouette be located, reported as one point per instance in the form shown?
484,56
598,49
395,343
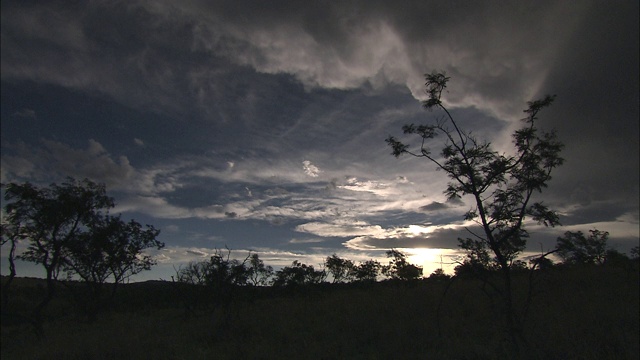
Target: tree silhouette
109,249
298,274
367,271
50,219
400,268
216,279
259,274
576,248
439,274
9,234
341,270
502,186
68,229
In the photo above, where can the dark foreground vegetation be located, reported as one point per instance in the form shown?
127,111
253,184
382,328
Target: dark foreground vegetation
578,313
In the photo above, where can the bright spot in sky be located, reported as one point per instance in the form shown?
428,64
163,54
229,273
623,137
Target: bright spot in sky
430,259
417,230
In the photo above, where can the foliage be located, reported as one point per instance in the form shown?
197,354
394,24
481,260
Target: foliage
367,271
219,272
210,283
501,185
400,268
576,248
341,270
259,274
68,228
439,274
298,274
51,218
111,248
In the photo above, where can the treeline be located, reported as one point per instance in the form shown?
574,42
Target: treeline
574,249
221,269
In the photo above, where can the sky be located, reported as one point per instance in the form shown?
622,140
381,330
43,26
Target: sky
260,125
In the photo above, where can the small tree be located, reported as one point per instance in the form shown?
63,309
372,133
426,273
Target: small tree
222,272
439,274
341,270
298,274
501,186
109,249
193,273
575,248
367,271
259,274
212,282
400,268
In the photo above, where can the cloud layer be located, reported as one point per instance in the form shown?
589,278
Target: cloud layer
262,125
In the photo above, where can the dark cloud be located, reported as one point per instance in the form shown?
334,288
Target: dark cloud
441,238
438,206
434,206
597,109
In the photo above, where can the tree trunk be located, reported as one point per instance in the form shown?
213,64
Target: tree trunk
12,274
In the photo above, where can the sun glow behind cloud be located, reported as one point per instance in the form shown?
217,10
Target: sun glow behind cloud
432,259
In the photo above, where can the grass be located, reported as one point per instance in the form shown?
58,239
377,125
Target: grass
578,314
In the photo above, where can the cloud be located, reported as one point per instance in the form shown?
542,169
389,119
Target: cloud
310,169
171,228
55,159
439,206
25,114
338,46
434,206
306,241
340,228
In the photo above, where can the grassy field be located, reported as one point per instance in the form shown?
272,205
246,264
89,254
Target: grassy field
588,313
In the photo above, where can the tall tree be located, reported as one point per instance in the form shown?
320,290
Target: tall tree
501,185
